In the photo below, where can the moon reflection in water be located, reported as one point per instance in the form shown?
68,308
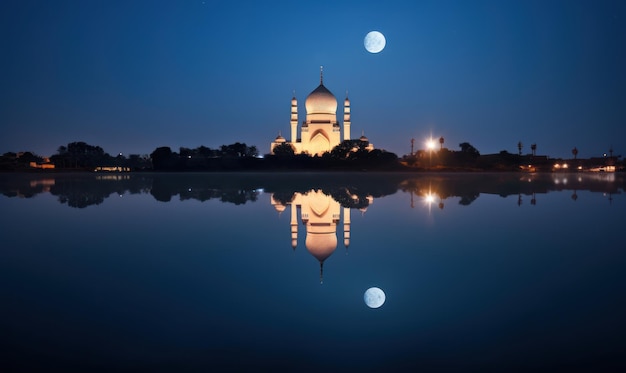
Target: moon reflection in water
374,297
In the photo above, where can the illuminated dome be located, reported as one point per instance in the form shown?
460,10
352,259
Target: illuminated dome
321,246
280,139
321,101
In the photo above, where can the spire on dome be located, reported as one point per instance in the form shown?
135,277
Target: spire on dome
280,139
321,75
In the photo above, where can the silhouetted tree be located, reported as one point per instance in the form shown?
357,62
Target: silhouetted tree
284,150
468,198
163,158
138,162
380,157
185,152
533,148
238,150
519,148
8,161
575,152
468,150
27,157
252,151
345,149
79,154
203,151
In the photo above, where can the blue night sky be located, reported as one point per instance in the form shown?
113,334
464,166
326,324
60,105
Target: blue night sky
134,75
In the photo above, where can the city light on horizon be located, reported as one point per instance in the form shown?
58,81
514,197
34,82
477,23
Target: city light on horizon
430,144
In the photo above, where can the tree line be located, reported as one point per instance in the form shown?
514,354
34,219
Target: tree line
347,155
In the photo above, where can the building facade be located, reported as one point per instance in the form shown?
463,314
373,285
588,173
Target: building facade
320,131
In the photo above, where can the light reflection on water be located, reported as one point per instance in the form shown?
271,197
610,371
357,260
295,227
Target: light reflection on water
248,272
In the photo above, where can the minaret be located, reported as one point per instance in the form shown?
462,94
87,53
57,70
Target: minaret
346,227
294,226
294,118
346,118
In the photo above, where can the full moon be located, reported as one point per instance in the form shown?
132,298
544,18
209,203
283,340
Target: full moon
374,297
374,42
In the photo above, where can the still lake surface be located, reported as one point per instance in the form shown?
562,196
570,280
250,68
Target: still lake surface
230,272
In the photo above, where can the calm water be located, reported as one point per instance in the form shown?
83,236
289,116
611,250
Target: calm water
230,272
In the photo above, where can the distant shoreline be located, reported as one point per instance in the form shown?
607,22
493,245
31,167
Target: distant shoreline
296,171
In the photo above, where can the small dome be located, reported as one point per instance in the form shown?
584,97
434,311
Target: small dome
280,139
321,101
363,138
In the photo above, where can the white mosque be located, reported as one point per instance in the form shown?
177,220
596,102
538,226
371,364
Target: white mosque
321,131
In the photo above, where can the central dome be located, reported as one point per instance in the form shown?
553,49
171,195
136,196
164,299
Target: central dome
321,101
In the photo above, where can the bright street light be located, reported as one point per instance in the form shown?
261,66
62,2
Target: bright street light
430,144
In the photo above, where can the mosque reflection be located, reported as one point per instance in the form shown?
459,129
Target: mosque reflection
320,205
320,214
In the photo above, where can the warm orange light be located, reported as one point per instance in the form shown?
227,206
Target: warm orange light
430,144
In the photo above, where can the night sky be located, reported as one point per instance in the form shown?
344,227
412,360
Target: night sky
130,76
